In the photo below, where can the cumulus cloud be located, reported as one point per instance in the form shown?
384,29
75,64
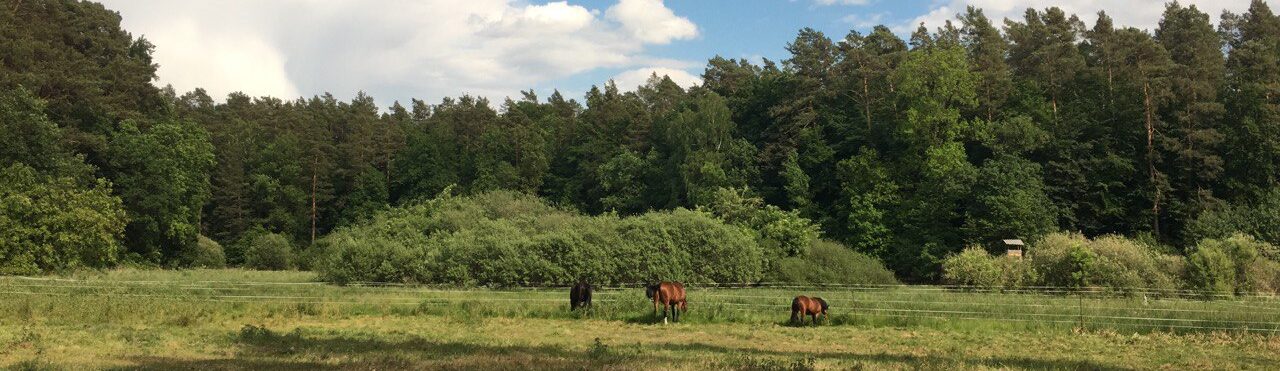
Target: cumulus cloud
632,79
651,21
1140,14
864,20
394,49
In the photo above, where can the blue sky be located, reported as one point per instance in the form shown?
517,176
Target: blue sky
430,49
755,29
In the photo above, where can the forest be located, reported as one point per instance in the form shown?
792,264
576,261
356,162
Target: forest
904,150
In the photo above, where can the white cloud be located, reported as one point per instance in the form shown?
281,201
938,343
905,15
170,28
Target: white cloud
864,20
1143,14
632,79
651,21
394,49
842,2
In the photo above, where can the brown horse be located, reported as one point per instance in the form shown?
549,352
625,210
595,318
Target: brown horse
669,294
806,306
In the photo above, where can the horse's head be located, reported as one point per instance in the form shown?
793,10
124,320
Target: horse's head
651,290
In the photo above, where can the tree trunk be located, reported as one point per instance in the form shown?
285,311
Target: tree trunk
314,164
866,101
1151,152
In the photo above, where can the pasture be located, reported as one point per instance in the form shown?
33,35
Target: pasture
236,319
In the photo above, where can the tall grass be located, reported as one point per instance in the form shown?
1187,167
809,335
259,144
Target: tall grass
185,298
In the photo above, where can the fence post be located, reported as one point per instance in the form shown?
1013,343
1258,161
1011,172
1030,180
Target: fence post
1080,308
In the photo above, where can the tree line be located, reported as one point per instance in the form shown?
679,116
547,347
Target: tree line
907,150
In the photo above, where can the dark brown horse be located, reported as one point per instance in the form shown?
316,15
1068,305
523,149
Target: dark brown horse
580,295
669,294
806,306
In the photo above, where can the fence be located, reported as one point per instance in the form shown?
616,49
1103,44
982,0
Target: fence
1137,309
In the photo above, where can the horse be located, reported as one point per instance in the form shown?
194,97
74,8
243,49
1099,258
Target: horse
803,305
580,295
669,294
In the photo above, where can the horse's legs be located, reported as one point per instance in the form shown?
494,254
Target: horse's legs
675,312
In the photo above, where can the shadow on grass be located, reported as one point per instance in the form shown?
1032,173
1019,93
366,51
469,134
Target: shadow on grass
262,349
916,361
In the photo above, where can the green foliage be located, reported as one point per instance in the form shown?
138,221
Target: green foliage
52,223
826,262
781,233
1211,269
1008,201
975,267
270,251
1112,262
207,254
161,173
506,239
866,183
1260,219
906,151
1236,264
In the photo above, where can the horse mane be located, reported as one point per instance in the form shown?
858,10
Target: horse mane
823,302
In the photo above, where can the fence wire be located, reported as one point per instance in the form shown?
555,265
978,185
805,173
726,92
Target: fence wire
1089,307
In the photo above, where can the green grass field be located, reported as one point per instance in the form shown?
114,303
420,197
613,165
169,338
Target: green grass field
235,319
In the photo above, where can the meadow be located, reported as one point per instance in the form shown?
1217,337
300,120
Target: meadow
237,319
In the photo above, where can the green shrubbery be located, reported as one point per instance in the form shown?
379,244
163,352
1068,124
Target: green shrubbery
509,239
54,223
826,262
271,251
1070,260
1237,264
975,267
1114,262
206,254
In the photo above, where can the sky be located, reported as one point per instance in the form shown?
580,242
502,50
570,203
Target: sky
395,50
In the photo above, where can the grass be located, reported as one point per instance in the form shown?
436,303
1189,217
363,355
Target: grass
232,319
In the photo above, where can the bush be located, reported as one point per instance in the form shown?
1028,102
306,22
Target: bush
1114,262
206,254
1211,269
53,223
975,267
782,233
972,267
504,239
1236,264
271,251
830,262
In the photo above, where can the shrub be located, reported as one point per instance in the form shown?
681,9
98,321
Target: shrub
975,267
1114,262
782,233
206,254
1249,266
52,223
830,262
1211,269
504,238
972,267
271,251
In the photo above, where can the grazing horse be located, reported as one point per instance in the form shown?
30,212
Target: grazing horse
669,294
806,306
580,295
